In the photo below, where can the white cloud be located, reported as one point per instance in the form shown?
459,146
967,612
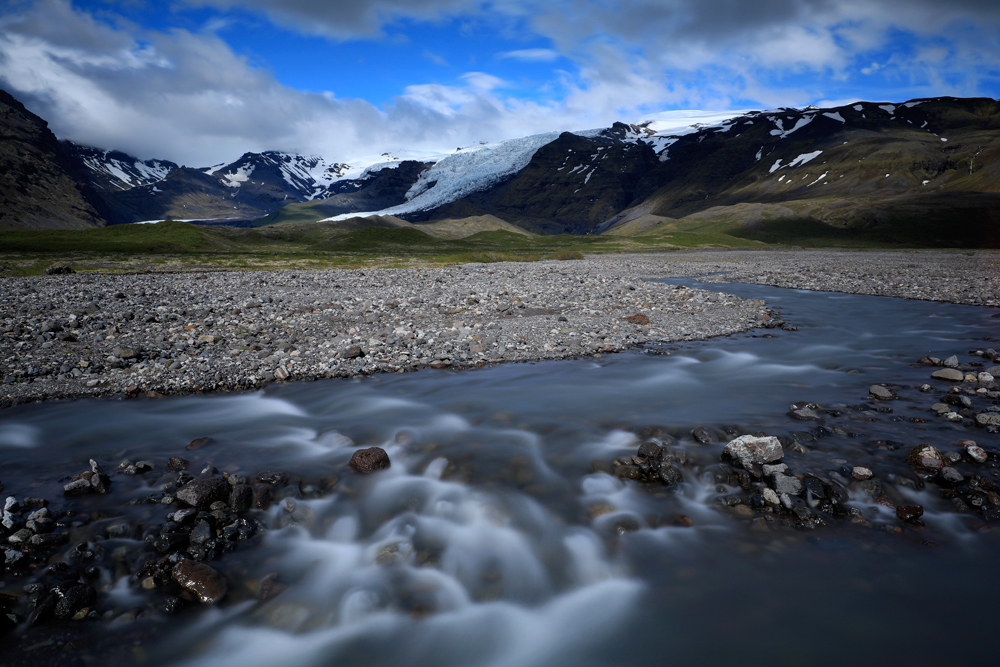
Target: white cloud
187,96
530,55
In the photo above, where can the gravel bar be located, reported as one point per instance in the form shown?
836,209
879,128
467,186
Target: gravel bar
956,276
96,335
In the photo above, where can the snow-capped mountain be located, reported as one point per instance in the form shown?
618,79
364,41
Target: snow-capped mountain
308,176
864,165
112,170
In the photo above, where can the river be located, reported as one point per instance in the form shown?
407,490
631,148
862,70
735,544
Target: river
492,541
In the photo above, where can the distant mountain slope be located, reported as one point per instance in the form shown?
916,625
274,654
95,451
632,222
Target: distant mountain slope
570,185
865,166
905,171
379,188
112,170
40,185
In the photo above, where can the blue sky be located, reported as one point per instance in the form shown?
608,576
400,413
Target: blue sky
201,81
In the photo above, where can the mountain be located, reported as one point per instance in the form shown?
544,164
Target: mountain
380,186
911,169
112,170
40,185
252,186
925,171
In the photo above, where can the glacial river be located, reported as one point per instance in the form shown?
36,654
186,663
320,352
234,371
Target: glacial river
492,541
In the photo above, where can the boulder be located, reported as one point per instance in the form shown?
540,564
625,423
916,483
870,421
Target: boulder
750,449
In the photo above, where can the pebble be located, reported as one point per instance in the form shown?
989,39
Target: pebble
369,460
881,393
861,473
204,582
950,374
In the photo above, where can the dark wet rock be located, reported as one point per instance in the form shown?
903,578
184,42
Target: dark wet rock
951,476
873,488
670,475
204,582
100,480
73,600
198,443
683,520
750,449
881,393
815,487
705,436
204,490
629,472
78,487
650,450
49,541
369,460
950,374
181,517
909,513
804,414
177,463
138,468
241,498
201,533
277,478
926,457
261,496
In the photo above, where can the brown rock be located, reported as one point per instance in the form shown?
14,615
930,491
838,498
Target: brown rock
926,457
369,460
199,443
207,584
910,513
638,318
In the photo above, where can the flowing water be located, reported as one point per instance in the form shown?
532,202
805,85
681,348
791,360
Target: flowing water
490,541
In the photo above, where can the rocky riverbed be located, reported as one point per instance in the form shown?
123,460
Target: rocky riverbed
151,334
100,335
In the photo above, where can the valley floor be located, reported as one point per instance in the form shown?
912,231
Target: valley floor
154,334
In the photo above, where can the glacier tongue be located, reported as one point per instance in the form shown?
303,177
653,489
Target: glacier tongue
464,172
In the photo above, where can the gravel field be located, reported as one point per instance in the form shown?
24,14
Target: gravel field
148,334
100,335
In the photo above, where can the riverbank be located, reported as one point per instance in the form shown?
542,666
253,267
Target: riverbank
94,335
150,334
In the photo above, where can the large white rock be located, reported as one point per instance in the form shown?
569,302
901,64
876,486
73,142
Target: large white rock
749,449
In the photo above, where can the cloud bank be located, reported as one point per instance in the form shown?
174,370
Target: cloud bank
186,95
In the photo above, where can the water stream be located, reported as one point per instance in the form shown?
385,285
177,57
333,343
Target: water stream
491,541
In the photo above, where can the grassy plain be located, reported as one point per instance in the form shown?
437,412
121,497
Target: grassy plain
175,245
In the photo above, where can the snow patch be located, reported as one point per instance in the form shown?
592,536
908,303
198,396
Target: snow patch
858,107
776,166
888,108
802,159
799,124
835,115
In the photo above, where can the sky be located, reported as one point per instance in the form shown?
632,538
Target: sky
201,82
